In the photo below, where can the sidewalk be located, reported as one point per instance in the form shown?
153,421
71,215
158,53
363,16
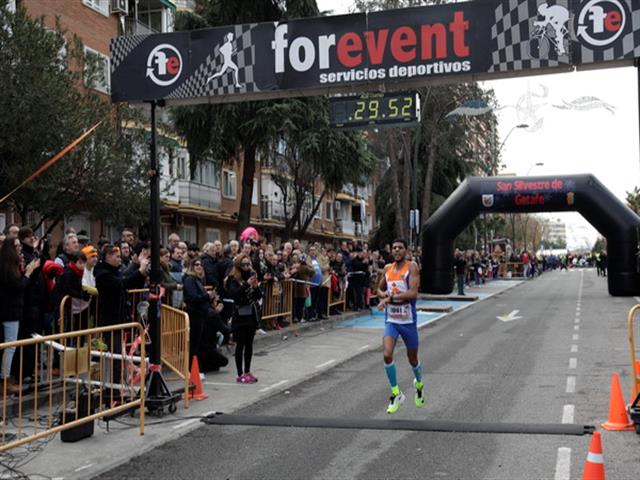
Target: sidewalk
279,364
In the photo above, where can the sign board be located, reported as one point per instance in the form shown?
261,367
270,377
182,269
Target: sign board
401,108
529,194
387,50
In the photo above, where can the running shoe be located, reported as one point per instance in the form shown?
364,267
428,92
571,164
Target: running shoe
419,398
394,402
250,378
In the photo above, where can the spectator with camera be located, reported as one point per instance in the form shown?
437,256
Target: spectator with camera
243,288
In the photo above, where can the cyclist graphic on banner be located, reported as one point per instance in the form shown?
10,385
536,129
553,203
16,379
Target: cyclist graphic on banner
556,18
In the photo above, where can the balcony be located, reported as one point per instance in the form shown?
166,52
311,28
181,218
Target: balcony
133,26
348,227
353,191
192,193
272,210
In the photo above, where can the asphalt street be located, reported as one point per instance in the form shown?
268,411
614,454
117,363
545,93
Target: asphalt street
553,365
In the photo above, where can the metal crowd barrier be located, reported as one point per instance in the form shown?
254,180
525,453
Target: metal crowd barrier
75,314
134,298
335,300
635,362
84,375
174,325
174,328
278,300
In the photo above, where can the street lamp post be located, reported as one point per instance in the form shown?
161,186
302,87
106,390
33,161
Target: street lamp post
497,157
521,125
539,164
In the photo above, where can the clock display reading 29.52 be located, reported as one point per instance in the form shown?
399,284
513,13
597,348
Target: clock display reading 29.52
375,109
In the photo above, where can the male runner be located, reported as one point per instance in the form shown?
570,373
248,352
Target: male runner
397,290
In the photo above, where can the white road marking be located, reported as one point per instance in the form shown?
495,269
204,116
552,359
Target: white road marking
363,347
575,337
326,364
637,299
275,385
578,314
568,412
574,348
573,363
184,424
571,384
577,320
511,317
578,308
84,467
576,327
194,420
563,464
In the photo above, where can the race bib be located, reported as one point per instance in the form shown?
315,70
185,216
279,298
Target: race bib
399,312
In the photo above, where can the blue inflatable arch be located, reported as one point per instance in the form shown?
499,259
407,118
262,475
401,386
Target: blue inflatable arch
580,193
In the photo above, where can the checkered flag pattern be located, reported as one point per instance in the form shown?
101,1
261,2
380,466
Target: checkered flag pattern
628,46
518,44
200,83
122,46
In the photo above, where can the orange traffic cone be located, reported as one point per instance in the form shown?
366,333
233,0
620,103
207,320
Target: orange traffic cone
197,393
594,466
618,418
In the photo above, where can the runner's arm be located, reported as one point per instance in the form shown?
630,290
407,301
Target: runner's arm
381,291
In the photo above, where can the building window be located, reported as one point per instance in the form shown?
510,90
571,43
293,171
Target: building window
164,233
328,210
188,234
101,6
182,168
79,223
228,184
254,194
100,78
318,213
212,234
207,174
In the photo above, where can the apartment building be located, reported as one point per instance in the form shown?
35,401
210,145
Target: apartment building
201,204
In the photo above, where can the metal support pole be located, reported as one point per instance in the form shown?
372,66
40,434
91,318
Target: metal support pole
158,393
154,227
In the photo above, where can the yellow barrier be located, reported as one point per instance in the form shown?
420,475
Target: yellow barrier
71,318
278,300
174,328
333,300
635,363
80,372
134,298
78,315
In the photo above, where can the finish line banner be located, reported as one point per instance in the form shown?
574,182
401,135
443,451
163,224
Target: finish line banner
391,49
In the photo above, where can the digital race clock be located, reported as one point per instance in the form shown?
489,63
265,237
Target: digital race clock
375,109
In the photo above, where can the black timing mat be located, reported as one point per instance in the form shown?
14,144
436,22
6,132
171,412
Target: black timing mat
411,425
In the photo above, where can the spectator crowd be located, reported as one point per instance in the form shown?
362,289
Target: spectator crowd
219,285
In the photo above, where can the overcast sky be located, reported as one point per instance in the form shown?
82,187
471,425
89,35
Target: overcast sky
595,141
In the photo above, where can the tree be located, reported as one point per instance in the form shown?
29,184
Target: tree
230,132
633,200
45,107
600,245
310,159
437,154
